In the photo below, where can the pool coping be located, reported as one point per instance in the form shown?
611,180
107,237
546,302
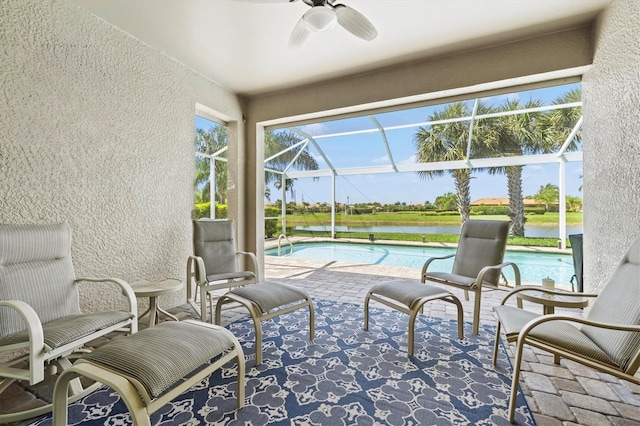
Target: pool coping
273,243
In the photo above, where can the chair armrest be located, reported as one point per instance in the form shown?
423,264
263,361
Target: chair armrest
36,338
546,318
483,271
127,291
196,269
428,262
254,260
544,290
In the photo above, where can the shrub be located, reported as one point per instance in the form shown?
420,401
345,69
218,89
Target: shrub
490,210
270,227
203,210
534,210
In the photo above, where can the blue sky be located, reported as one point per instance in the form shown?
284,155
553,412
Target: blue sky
365,150
368,149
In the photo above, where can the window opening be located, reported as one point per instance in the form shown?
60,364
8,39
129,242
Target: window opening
507,140
211,145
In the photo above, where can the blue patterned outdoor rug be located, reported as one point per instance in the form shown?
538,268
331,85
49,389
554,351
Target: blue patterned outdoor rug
345,377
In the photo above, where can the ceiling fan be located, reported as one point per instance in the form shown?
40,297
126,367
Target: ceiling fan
323,16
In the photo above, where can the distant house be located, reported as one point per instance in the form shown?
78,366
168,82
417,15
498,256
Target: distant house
504,202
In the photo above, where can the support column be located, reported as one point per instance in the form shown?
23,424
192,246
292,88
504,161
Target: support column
333,205
562,205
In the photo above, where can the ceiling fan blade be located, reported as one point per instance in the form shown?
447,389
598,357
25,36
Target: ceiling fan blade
354,22
298,35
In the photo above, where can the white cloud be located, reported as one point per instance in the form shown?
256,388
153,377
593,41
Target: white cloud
318,158
413,159
383,159
314,129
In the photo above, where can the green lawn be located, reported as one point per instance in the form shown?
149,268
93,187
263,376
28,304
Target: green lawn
395,218
419,218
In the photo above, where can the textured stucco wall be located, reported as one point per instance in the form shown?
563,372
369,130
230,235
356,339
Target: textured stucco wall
611,93
97,129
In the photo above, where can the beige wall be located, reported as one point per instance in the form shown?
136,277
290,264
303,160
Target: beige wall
97,129
467,70
611,92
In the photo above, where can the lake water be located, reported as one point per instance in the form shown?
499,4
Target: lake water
533,231
533,266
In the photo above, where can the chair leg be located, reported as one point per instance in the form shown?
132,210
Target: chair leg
203,304
516,378
366,311
312,321
218,319
241,374
476,311
456,301
495,345
412,323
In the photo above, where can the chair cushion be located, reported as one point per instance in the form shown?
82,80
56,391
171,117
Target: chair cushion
269,295
408,292
452,279
36,268
231,276
71,328
559,334
160,356
618,303
214,241
482,243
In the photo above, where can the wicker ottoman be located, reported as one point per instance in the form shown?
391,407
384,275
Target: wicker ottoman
150,368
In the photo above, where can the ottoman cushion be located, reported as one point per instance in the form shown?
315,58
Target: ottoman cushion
160,356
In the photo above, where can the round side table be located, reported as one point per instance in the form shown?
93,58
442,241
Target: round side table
153,289
551,301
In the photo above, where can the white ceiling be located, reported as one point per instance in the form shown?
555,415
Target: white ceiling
242,45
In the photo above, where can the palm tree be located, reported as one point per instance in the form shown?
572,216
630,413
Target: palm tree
216,138
559,123
209,142
448,142
517,136
275,142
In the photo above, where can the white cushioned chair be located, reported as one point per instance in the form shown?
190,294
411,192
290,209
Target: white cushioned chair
478,261
607,339
214,265
40,308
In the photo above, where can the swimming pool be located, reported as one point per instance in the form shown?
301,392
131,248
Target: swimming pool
533,266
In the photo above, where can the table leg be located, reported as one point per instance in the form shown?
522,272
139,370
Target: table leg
144,313
548,309
153,311
160,310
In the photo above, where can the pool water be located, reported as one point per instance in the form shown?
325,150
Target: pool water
533,266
